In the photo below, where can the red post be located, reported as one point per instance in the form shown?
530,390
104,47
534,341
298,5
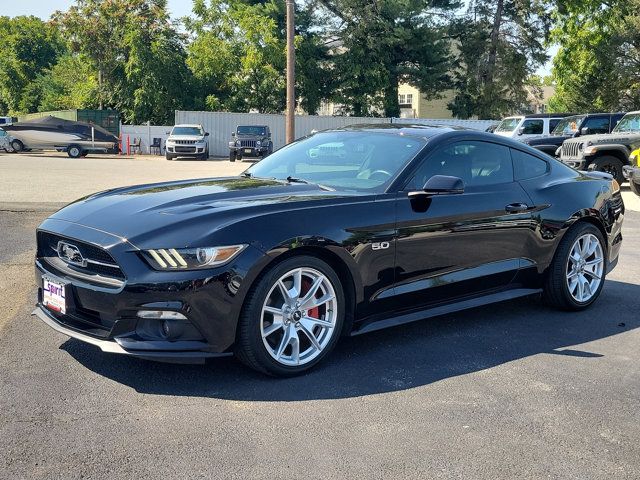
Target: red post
128,145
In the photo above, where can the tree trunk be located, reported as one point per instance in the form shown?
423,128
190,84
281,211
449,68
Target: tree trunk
490,69
391,103
100,94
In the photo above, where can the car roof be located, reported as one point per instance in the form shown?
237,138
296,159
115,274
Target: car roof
414,130
188,125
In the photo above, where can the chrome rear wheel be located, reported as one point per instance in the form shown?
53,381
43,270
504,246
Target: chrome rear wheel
585,267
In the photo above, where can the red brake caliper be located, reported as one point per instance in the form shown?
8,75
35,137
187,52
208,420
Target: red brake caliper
315,311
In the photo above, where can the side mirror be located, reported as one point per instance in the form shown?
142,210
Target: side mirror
584,131
520,130
440,185
206,134
233,134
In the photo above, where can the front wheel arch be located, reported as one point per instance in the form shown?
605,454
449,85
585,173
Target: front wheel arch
352,288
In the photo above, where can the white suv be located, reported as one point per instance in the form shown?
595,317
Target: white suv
521,127
187,141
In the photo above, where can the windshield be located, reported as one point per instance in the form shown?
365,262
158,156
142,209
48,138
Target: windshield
187,131
568,126
251,130
629,123
508,124
345,160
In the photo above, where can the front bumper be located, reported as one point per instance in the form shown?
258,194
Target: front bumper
632,174
108,309
252,152
112,346
577,164
186,150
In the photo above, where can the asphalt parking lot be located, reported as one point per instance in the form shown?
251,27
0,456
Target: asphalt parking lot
515,390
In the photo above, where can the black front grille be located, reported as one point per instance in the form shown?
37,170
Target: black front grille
248,143
98,260
185,149
185,142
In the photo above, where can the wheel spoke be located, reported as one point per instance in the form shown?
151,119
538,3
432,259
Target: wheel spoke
586,286
297,284
592,274
316,302
273,310
274,327
580,289
312,291
309,334
285,292
592,263
310,322
290,337
592,247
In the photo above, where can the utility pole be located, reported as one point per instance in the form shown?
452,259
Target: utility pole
291,74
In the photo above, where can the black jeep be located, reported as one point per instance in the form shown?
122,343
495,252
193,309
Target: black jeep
575,126
250,141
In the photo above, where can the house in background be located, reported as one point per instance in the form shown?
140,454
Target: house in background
538,99
414,105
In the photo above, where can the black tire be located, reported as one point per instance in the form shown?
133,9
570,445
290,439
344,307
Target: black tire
250,348
232,156
556,290
609,164
74,151
239,158
168,156
17,145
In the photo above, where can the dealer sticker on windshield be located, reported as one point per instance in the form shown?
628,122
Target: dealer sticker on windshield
53,296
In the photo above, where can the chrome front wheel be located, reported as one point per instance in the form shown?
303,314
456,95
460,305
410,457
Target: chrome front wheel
585,267
292,317
299,316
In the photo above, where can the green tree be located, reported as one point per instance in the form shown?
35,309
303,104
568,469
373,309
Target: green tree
238,55
70,83
499,45
598,64
29,46
138,55
380,45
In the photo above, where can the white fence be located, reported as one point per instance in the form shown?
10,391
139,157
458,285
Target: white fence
221,124
146,134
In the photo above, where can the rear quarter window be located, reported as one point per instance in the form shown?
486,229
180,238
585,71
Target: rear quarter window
527,166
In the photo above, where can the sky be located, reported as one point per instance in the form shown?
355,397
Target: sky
44,8
177,9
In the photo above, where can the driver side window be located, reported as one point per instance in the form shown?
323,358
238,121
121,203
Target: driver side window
476,163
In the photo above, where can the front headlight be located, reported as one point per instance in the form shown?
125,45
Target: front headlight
191,258
258,143
238,143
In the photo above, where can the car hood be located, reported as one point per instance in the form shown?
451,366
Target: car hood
197,138
546,140
149,216
608,138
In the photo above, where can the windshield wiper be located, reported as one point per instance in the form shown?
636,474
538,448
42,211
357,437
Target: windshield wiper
246,174
291,179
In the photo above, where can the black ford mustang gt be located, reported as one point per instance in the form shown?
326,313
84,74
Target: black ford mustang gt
342,232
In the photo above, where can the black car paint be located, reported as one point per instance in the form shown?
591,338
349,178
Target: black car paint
442,253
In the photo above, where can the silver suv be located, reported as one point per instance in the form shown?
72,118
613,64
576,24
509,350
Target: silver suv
187,141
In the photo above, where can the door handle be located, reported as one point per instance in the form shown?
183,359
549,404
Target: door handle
516,208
